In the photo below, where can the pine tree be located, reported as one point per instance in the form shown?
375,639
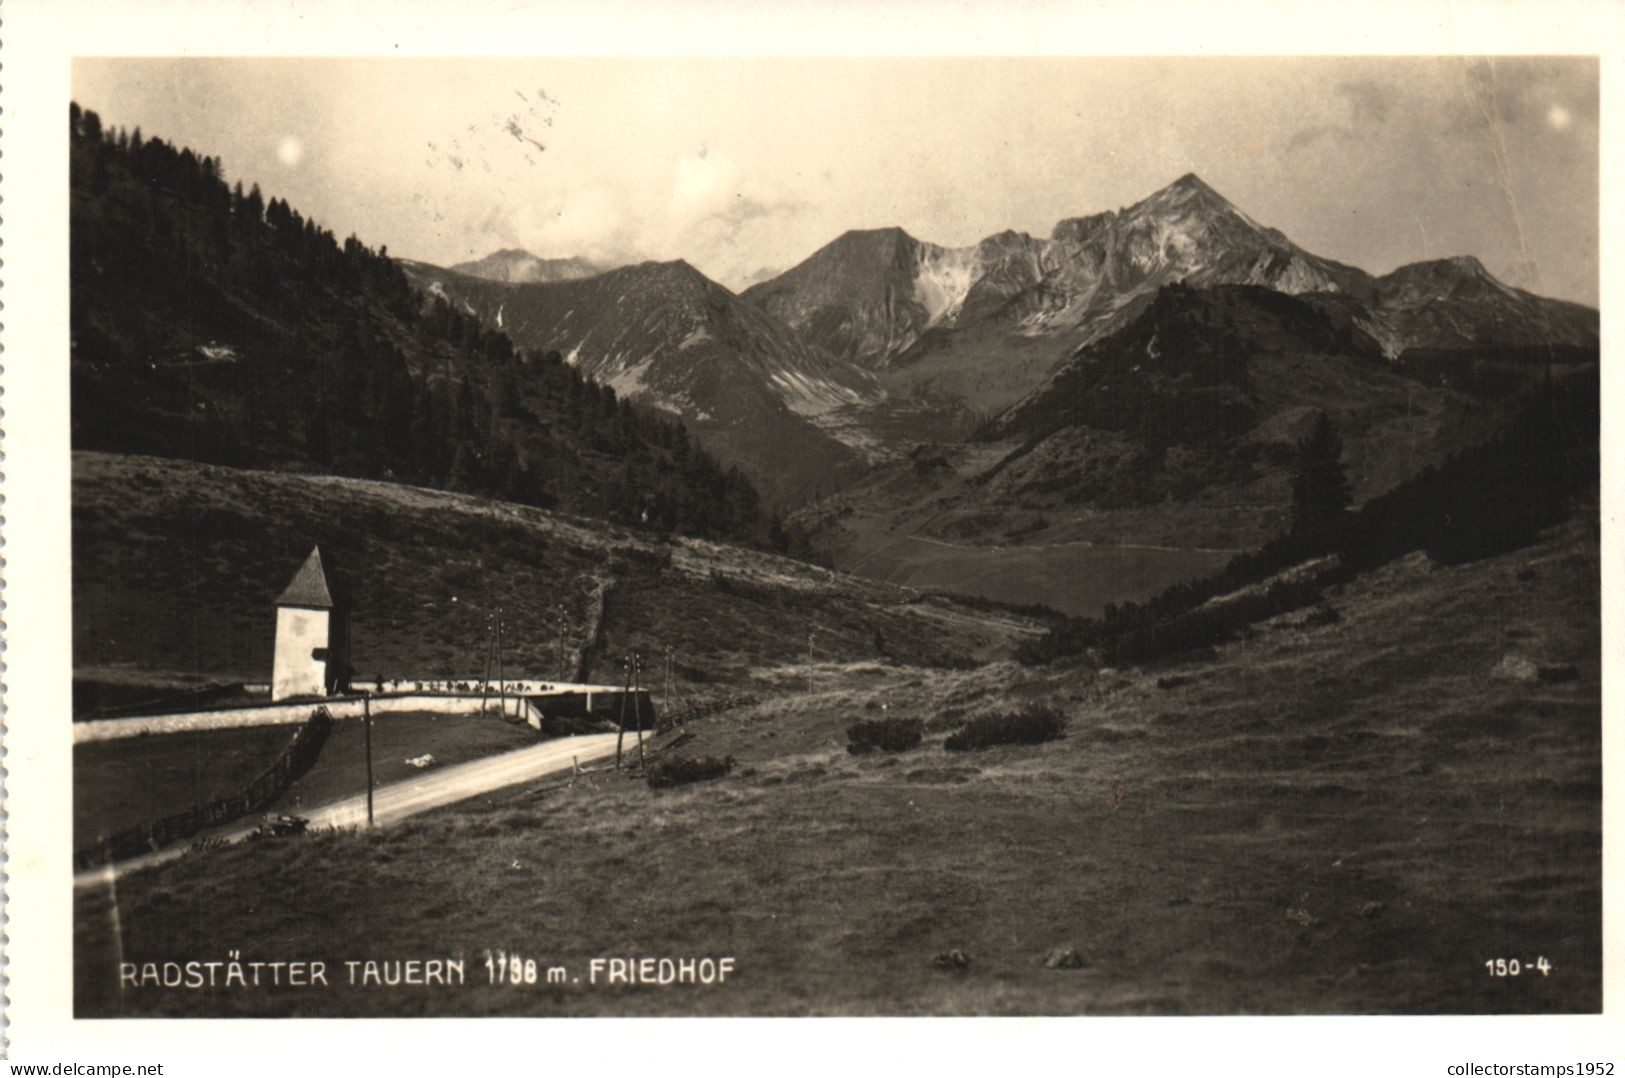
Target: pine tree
464,475
1320,484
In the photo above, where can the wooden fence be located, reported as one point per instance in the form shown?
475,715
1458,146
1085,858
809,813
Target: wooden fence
671,720
294,761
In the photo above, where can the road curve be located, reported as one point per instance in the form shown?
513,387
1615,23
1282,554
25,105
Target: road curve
459,782
399,800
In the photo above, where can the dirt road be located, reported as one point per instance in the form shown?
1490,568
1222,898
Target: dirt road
399,800
461,781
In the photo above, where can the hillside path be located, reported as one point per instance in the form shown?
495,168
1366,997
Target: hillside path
398,800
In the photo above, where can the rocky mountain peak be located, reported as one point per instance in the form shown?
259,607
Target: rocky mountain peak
1191,197
515,265
1442,273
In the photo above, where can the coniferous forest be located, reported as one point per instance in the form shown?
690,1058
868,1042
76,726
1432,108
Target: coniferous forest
214,324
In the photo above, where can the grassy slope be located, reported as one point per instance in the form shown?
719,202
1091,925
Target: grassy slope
1076,578
1081,484
987,367
1345,817
118,784
176,567
121,783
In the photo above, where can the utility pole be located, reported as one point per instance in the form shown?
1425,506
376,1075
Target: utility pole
620,725
502,680
366,719
637,702
809,663
564,675
485,674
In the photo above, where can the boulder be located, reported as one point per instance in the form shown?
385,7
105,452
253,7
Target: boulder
1065,958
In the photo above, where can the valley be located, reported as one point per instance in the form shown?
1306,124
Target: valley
1077,578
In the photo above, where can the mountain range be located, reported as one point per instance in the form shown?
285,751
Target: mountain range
664,334
879,341
980,418
931,314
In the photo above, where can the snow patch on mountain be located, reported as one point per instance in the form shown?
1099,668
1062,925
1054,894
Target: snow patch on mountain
1298,277
943,279
628,381
811,396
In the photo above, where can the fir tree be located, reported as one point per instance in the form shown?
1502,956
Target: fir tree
1320,485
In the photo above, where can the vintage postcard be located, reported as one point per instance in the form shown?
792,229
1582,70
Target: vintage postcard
638,525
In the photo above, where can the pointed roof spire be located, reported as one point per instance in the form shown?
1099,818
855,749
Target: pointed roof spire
309,585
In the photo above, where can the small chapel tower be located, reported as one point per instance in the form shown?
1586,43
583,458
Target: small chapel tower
310,657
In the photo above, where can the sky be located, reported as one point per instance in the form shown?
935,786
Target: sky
744,167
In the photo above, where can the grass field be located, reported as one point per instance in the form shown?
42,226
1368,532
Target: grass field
1326,818
119,784
177,566
130,781
1075,578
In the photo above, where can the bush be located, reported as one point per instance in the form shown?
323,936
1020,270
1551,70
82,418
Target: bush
1036,724
883,735
682,770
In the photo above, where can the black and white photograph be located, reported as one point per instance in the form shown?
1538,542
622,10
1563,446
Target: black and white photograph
707,536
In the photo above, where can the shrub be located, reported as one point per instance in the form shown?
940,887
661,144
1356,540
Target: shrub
883,735
1036,724
1322,615
682,770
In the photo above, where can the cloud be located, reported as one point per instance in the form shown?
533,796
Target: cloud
720,216
1309,136
1513,92
710,190
710,210
1518,90
1368,101
1364,106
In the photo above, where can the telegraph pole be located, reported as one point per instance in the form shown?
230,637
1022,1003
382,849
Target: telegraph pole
558,608
620,727
485,674
502,681
637,702
366,712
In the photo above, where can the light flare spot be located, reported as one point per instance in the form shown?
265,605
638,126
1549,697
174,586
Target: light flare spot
290,151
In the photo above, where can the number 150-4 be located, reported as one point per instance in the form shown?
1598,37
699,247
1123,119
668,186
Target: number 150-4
1511,967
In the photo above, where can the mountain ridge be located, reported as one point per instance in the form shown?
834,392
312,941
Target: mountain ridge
1094,272
665,334
514,265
